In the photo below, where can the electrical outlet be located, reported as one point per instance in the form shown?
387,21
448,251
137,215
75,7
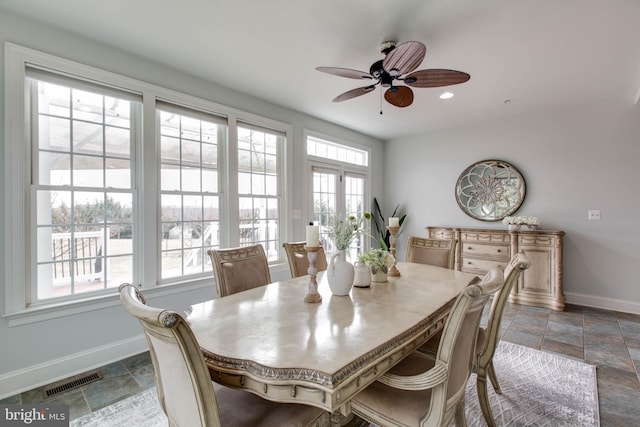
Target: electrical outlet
594,215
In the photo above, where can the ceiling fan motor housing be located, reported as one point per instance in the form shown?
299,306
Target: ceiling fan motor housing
387,46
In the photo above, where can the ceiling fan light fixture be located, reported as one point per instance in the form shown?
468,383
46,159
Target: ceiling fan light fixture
446,95
399,64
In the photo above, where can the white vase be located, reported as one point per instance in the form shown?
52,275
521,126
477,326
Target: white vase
379,277
362,277
340,274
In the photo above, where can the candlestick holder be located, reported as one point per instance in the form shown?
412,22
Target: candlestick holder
393,271
312,295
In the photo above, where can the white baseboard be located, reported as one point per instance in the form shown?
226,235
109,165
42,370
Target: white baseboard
604,303
55,370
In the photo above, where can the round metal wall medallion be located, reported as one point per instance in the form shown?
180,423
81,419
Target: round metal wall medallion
490,190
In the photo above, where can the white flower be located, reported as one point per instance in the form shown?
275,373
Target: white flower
342,232
521,220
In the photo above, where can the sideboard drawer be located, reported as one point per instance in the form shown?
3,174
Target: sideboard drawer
478,250
473,265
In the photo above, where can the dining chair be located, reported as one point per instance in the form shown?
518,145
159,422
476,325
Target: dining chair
239,269
429,390
489,336
186,393
298,261
441,253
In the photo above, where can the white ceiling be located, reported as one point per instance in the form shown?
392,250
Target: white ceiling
538,54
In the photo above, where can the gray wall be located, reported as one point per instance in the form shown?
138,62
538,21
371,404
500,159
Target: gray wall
44,346
573,161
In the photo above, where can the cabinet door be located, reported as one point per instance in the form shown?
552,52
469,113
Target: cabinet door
541,284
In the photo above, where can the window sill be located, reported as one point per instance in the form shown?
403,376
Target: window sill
70,308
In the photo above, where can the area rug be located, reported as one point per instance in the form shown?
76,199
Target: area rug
539,389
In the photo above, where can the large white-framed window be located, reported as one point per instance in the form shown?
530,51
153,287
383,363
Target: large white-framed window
83,139
338,174
190,193
110,179
260,184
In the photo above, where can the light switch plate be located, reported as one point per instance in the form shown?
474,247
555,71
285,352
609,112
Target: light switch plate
594,215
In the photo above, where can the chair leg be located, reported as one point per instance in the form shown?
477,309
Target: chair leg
460,416
493,378
483,399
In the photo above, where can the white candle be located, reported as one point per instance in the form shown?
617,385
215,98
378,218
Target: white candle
313,235
394,222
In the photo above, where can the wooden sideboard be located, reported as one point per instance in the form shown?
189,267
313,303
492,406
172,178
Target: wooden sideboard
481,249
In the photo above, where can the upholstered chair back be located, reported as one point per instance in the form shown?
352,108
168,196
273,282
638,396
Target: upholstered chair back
298,260
458,343
518,263
239,269
184,386
489,337
441,253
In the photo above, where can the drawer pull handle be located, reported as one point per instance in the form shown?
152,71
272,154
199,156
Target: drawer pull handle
469,248
498,250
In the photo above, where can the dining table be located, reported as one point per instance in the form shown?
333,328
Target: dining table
268,341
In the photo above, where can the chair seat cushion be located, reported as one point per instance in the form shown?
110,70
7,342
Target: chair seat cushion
400,407
240,408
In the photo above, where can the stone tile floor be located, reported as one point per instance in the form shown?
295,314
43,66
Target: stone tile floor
610,340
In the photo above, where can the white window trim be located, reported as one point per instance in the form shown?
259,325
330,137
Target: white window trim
17,168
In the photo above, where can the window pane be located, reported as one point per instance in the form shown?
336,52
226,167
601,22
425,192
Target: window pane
118,173
54,133
117,142
88,171
54,100
87,106
55,168
87,138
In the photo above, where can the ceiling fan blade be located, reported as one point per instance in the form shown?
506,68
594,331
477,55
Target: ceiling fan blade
404,58
353,93
400,96
345,72
436,78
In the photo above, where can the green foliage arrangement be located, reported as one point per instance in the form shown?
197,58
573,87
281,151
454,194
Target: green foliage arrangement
377,259
381,224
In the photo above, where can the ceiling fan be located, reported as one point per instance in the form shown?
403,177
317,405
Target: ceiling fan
397,67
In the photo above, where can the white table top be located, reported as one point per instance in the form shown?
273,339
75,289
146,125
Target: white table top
270,335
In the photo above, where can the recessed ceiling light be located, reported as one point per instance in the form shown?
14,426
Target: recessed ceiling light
446,95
